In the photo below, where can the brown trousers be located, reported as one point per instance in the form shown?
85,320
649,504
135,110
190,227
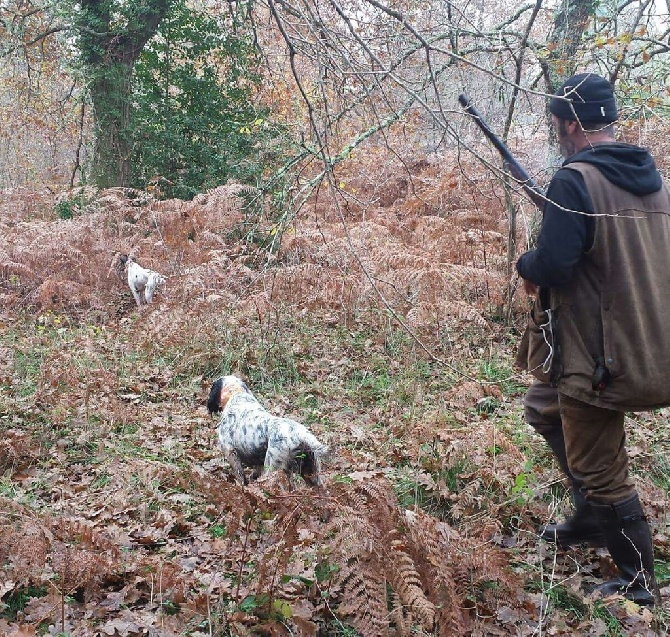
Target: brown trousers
594,441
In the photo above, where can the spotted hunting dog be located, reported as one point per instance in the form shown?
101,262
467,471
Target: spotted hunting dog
141,281
252,437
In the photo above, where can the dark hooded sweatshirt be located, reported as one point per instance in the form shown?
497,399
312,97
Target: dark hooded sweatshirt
565,236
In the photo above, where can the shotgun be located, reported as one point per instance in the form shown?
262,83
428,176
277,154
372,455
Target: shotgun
534,192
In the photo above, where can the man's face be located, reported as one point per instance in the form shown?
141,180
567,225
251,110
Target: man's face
565,143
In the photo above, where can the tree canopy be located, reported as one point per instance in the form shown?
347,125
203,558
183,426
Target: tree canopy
194,122
336,76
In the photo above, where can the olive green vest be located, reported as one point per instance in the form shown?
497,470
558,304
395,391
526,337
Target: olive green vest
616,310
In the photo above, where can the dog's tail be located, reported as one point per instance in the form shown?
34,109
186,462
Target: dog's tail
321,450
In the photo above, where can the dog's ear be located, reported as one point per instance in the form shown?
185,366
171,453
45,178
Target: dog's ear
214,400
246,387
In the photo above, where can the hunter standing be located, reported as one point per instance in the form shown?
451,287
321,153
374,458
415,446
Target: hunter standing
601,277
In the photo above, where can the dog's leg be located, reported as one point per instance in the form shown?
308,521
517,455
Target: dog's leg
274,460
136,294
149,289
290,478
236,466
310,470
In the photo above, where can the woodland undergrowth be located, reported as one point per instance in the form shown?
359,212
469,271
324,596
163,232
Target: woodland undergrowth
386,323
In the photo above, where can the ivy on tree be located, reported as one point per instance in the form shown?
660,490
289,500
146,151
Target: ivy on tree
171,90
193,122
110,35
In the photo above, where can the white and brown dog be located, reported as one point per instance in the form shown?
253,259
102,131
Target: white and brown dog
250,436
141,281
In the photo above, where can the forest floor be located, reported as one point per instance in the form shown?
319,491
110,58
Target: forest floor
388,329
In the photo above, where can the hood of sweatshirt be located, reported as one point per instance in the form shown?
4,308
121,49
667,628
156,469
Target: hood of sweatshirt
625,165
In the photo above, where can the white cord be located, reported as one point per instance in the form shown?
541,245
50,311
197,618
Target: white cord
546,366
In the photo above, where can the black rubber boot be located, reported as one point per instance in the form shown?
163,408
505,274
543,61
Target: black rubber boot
583,526
629,542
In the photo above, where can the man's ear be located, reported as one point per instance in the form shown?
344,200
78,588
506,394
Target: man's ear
572,127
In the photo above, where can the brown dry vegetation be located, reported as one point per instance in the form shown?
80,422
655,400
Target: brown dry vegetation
380,324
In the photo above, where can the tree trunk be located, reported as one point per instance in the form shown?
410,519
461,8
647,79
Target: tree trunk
111,96
112,35
570,22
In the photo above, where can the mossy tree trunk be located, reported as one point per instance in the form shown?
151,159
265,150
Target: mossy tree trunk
111,97
111,36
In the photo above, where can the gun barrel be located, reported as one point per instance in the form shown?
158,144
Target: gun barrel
486,129
518,171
